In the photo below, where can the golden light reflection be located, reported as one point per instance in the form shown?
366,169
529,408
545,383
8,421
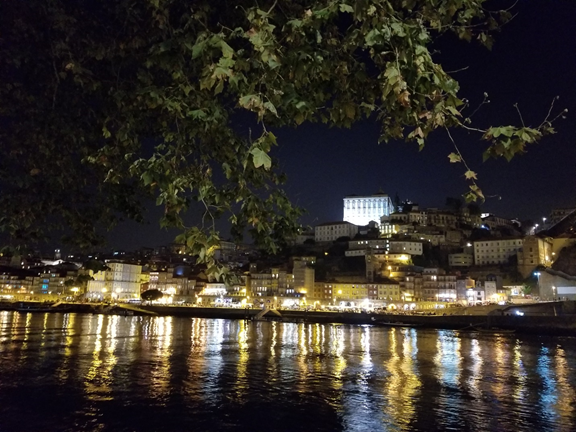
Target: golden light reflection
567,395
316,338
366,359
393,386
27,328
91,381
302,340
519,373
69,332
243,356
318,362
5,318
476,369
196,361
302,358
43,334
412,382
16,322
500,385
160,374
274,338
337,336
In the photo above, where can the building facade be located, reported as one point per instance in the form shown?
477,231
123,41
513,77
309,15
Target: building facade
460,260
535,251
331,231
120,282
361,210
496,251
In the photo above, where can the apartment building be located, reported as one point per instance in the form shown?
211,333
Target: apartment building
496,251
331,231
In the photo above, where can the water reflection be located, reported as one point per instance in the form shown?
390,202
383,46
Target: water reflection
228,375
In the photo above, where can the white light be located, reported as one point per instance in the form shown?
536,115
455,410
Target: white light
519,313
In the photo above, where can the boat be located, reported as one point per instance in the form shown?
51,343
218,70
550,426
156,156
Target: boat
395,324
492,330
40,308
35,309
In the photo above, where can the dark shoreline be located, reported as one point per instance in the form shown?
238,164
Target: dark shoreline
561,325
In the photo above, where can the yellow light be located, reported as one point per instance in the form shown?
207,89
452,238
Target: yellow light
74,289
339,291
104,290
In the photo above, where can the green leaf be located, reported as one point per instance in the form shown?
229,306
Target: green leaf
346,8
454,158
470,175
349,110
227,50
476,189
398,29
198,49
260,158
250,101
270,107
147,178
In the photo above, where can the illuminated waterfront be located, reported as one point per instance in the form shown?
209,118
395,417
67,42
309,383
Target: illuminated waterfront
70,372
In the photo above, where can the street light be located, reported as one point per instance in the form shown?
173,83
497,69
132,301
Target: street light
537,274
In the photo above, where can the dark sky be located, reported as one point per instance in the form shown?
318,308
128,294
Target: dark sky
532,61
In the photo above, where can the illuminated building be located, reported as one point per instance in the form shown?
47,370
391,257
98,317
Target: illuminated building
331,231
120,282
536,251
361,210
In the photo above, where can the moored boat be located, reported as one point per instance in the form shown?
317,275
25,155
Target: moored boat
395,324
492,330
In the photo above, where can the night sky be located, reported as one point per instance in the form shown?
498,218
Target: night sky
532,61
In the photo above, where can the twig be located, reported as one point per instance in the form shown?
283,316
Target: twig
457,149
520,114
550,111
272,7
485,101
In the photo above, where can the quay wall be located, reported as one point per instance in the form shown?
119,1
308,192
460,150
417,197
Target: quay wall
552,324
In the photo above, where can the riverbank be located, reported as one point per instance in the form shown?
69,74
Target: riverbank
563,324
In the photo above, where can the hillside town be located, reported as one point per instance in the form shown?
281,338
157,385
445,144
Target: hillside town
382,255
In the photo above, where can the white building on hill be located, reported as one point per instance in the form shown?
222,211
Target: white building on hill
361,210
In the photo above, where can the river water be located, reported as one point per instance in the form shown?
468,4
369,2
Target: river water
73,372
